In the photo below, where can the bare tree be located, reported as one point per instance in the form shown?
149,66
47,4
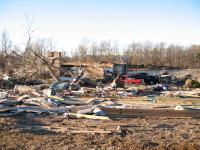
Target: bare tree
5,42
35,52
6,45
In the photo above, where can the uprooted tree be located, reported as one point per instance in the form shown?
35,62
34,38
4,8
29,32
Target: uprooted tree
35,54
31,63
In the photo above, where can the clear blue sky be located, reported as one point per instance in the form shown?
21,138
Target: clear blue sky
68,21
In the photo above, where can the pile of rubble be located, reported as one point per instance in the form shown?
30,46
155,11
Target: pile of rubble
80,96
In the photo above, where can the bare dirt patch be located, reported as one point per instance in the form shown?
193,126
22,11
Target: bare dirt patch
53,132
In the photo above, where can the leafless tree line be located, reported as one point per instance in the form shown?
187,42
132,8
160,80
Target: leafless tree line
144,54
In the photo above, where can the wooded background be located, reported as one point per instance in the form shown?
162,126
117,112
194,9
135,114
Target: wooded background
140,55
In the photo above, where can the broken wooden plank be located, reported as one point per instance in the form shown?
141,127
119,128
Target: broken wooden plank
81,116
89,132
147,112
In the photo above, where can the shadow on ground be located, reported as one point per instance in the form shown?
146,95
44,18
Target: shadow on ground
27,123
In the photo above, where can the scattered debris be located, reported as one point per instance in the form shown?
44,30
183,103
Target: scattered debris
84,92
178,107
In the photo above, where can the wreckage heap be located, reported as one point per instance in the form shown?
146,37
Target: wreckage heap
122,104
102,92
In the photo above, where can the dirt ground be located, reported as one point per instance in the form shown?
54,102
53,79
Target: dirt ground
55,132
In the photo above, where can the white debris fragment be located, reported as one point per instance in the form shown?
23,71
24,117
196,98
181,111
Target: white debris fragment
6,77
178,107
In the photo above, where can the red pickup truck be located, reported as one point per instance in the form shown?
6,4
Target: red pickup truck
128,80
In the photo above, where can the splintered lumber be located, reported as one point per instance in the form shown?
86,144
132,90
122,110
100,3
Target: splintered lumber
81,116
17,110
88,132
189,95
98,131
150,112
10,111
23,97
56,97
82,109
